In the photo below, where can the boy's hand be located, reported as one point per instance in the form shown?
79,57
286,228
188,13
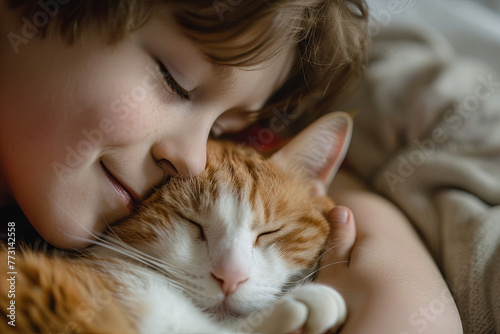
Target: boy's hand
341,240
382,269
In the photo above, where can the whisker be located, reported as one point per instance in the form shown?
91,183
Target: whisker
79,224
330,249
147,259
300,281
104,218
97,237
326,266
124,249
153,260
116,248
117,245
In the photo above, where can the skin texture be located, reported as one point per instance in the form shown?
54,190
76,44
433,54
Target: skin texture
42,113
236,224
70,114
382,269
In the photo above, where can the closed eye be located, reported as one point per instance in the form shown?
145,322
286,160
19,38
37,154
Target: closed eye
202,232
172,84
268,233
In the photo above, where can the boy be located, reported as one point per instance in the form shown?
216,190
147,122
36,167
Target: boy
100,101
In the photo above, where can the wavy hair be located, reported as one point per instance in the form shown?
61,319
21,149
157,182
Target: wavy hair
330,36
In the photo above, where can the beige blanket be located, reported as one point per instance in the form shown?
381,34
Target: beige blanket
428,137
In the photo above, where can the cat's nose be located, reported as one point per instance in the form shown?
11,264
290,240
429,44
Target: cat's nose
229,280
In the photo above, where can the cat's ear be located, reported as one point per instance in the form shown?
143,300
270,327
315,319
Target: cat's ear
318,150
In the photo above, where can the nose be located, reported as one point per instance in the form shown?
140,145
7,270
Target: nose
184,157
229,281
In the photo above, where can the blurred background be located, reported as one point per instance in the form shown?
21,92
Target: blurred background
471,26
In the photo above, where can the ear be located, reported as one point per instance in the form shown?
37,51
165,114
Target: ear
317,151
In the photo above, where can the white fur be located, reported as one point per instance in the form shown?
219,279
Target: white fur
181,294
175,302
164,309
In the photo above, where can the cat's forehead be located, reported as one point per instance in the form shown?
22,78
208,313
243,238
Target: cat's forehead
240,172
243,169
240,194
250,177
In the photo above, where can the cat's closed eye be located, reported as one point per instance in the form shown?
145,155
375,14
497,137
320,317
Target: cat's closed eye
197,225
263,235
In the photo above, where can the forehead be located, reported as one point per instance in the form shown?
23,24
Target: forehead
256,84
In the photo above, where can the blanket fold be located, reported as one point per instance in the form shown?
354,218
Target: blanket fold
428,137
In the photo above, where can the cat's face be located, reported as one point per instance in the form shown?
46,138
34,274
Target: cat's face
235,236
247,228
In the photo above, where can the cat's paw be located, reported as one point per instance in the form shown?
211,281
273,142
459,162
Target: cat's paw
311,308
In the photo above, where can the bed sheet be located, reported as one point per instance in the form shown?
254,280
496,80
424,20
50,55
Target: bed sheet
427,136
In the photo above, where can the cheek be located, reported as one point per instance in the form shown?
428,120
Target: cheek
137,108
178,247
269,265
127,108
126,125
268,276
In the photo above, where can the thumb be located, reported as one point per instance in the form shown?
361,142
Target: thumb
342,236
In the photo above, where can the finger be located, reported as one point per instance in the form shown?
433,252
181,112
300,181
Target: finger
342,236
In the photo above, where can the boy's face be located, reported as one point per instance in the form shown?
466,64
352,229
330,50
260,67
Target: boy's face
83,128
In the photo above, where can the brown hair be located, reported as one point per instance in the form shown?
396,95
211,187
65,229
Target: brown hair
330,36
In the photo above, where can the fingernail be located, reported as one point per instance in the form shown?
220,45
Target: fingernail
340,215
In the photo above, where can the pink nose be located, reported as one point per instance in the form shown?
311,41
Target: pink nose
229,281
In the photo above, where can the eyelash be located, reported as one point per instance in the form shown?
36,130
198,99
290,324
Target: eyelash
178,90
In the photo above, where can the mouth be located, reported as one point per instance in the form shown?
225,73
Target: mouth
128,195
224,311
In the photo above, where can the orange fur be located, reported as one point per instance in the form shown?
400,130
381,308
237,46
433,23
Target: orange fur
56,296
70,295
273,193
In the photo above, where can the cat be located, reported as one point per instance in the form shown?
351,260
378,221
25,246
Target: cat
231,250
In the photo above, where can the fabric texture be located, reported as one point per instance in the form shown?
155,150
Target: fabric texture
427,136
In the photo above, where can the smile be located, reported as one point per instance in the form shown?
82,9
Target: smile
121,189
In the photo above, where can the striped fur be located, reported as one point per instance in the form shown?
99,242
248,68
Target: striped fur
245,213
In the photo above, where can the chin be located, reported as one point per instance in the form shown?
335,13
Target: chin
65,233
65,239
231,308
223,311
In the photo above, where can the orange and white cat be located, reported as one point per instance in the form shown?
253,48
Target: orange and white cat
231,250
